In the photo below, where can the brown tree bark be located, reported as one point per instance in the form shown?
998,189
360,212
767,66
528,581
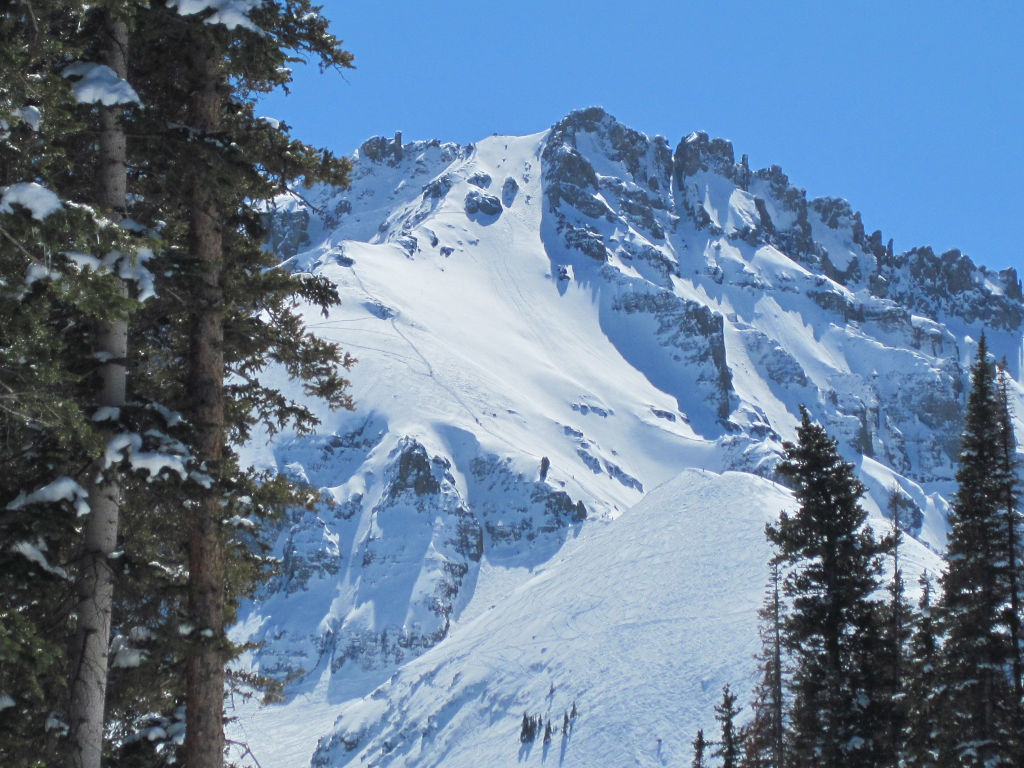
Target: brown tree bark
95,589
204,734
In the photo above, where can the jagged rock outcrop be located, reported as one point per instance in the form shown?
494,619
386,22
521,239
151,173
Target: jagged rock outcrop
386,566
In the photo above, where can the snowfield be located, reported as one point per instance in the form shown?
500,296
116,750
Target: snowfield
638,621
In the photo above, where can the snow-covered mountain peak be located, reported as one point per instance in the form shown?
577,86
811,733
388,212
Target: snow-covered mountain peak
548,328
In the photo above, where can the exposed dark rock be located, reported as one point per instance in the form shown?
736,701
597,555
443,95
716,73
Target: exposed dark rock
509,190
380,149
766,219
652,262
698,153
1011,283
930,285
639,211
768,355
586,241
480,203
566,166
439,187
637,152
480,179
836,213
414,471
695,334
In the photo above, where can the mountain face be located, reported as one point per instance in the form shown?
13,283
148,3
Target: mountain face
579,354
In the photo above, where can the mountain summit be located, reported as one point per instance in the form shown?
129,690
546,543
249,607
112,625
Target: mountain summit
580,352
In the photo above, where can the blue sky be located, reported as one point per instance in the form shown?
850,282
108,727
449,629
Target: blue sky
911,110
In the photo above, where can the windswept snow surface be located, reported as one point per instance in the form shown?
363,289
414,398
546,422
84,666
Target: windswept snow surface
547,328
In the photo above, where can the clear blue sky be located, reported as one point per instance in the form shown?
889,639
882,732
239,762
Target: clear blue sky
911,109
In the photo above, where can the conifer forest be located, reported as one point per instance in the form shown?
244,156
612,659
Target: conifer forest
852,673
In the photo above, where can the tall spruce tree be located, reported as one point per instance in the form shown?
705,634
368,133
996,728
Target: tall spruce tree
891,660
1008,466
58,287
225,310
834,565
198,160
979,710
94,570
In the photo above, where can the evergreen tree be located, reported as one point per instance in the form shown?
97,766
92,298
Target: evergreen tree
198,161
1008,466
527,730
763,736
922,721
56,290
94,578
979,711
699,747
831,632
730,745
224,311
892,659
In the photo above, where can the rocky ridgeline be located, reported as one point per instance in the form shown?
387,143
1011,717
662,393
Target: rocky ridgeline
618,219
919,280
651,219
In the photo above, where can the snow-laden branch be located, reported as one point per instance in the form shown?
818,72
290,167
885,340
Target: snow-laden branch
121,263
35,553
99,84
127,446
40,201
61,489
231,13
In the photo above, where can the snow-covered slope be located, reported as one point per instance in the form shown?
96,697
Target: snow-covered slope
548,327
636,622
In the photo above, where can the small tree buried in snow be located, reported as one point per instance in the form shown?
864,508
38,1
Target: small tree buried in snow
528,731
699,748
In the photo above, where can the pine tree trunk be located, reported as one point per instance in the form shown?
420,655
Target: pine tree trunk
204,737
95,586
